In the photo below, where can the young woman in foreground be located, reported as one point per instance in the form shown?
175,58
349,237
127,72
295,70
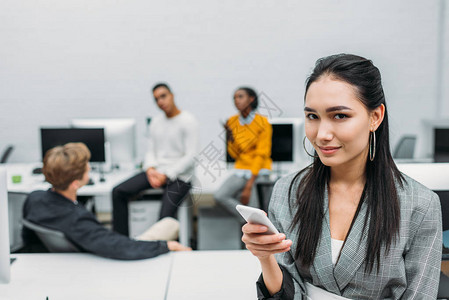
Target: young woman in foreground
356,227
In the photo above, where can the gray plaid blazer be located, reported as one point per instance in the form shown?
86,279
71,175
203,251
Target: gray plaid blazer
411,269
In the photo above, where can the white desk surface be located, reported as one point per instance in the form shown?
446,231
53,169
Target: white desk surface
213,275
85,276
31,182
186,275
435,176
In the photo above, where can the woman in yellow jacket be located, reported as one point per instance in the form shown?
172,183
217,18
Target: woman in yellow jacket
249,143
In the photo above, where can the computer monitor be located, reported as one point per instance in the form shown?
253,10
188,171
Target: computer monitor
282,148
285,140
432,140
120,133
4,229
441,145
92,137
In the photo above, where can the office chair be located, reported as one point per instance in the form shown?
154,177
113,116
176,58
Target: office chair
443,289
405,148
6,154
54,241
264,190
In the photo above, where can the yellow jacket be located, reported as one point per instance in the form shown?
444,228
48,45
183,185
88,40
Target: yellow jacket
251,147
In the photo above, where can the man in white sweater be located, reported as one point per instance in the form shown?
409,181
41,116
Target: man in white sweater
169,162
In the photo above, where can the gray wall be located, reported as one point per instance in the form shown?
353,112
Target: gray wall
444,100
84,58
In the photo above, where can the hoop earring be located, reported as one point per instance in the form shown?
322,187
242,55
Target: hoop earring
372,145
304,145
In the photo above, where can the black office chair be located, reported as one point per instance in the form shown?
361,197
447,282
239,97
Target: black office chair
443,290
53,240
264,190
405,148
6,154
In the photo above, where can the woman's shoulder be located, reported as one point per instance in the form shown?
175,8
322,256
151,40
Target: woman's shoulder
285,181
261,119
415,196
232,120
287,185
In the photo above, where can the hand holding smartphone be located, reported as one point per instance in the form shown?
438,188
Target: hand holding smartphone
256,216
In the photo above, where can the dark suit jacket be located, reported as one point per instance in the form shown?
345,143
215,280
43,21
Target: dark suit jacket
54,211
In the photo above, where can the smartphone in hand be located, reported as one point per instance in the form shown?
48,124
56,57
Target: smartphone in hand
256,216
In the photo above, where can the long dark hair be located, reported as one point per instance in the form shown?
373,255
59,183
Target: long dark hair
380,191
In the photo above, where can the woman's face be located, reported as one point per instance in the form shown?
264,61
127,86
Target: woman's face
337,123
242,100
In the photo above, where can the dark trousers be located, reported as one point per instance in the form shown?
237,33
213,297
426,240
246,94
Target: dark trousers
174,192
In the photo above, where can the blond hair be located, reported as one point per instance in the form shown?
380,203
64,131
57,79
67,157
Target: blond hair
64,164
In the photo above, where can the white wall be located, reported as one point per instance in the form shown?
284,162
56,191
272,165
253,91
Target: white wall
444,112
85,58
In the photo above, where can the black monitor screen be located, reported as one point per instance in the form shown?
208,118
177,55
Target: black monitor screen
281,143
441,145
92,137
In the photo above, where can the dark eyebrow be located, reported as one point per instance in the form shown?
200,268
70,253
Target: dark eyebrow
330,109
309,109
336,108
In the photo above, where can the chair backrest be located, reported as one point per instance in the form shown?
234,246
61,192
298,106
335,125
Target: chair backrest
54,241
6,154
443,289
405,147
264,190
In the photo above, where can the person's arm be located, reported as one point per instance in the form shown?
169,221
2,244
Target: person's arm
263,152
155,178
246,192
231,143
191,146
150,160
263,147
88,234
270,284
264,247
286,291
423,259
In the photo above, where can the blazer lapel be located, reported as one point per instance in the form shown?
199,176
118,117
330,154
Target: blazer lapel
322,270
354,250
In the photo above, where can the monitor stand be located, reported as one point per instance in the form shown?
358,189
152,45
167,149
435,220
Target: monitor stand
278,169
99,167
102,178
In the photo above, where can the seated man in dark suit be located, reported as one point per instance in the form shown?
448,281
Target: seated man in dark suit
67,169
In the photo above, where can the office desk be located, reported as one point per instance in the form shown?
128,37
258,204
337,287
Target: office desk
435,176
174,276
85,276
213,275
32,182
